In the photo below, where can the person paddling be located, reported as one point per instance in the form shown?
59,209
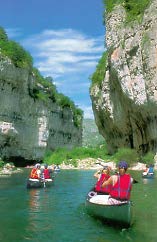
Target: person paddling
36,172
46,173
102,176
121,185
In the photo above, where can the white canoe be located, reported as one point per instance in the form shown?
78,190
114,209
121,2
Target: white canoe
39,183
97,206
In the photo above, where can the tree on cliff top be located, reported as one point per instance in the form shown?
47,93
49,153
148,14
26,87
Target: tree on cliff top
3,35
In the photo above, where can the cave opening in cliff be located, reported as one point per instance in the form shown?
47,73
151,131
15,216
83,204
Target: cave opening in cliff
21,162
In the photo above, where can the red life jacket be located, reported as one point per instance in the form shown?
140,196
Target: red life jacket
121,190
98,188
46,174
34,174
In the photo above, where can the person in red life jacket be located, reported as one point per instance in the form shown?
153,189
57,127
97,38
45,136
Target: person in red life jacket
46,172
102,176
35,172
121,184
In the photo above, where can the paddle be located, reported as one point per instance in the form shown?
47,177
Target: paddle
135,181
44,183
98,163
43,180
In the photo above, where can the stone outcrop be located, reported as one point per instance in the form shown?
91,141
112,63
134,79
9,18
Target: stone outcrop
30,126
125,104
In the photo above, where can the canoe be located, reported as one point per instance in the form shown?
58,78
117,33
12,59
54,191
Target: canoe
39,183
57,170
147,175
121,214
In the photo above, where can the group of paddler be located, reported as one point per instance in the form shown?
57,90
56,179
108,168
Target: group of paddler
149,170
117,186
41,172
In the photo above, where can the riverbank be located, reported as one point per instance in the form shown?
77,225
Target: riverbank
96,164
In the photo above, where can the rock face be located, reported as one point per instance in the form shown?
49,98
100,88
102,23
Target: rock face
125,104
28,126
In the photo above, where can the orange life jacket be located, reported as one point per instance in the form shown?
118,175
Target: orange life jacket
106,189
121,190
34,174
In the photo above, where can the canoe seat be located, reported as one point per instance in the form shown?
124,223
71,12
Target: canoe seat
48,180
32,179
105,200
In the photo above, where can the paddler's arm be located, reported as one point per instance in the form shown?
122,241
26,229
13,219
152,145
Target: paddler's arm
108,182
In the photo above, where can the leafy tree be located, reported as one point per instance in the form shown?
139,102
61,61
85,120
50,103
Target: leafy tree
3,35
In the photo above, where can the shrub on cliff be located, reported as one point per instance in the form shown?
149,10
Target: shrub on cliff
129,155
1,163
3,35
65,101
19,56
148,158
134,8
99,74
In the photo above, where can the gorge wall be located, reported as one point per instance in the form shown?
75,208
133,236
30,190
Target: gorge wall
125,102
30,126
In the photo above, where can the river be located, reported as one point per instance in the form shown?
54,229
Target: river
58,214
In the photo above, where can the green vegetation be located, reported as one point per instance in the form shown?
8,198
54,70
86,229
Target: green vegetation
44,89
99,74
134,8
14,51
71,156
129,155
1,163
65,101
148,158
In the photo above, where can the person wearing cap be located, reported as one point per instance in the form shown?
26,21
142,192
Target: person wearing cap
36,172
102,176
121,184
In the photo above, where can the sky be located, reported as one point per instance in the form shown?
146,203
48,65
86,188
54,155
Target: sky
65,39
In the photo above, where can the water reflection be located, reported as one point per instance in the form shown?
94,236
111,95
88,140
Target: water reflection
34,200
39,212
147,180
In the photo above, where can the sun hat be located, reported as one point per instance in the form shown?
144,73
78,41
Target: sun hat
106,169
38,165
123,164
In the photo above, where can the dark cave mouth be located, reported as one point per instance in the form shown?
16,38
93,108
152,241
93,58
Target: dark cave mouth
21,161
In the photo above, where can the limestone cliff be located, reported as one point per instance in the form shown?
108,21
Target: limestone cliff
29,126
125,100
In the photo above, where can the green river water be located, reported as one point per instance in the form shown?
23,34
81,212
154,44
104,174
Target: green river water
58,213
